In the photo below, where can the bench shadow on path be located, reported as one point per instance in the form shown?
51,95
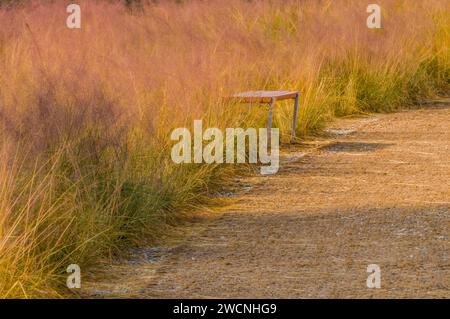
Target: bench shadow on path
354,147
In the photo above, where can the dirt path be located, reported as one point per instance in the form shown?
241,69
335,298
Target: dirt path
374,191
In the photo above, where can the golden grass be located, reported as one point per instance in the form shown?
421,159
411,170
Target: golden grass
86,114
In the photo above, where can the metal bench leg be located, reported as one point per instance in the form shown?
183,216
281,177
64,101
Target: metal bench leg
269,124
295,117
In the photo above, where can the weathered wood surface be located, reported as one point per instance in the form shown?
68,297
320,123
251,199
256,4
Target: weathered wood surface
263,96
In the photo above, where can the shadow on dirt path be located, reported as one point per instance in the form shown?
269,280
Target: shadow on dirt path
375,191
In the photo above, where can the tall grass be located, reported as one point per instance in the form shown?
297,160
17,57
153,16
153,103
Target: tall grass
86,115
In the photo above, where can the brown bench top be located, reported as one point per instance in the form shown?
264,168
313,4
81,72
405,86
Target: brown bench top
263,96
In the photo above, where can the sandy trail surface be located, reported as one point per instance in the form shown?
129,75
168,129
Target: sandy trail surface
373,190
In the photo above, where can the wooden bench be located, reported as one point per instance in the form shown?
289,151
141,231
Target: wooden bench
269,97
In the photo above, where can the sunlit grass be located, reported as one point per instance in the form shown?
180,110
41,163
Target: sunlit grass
86,115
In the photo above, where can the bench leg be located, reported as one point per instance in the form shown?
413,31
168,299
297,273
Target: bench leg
294,120
269,124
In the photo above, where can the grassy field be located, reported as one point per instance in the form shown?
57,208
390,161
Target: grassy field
86,115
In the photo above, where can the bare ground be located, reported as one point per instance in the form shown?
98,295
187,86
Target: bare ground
373,190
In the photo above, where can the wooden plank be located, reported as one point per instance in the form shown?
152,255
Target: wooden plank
263,96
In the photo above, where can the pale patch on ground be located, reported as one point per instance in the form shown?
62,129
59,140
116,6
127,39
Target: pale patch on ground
376,190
